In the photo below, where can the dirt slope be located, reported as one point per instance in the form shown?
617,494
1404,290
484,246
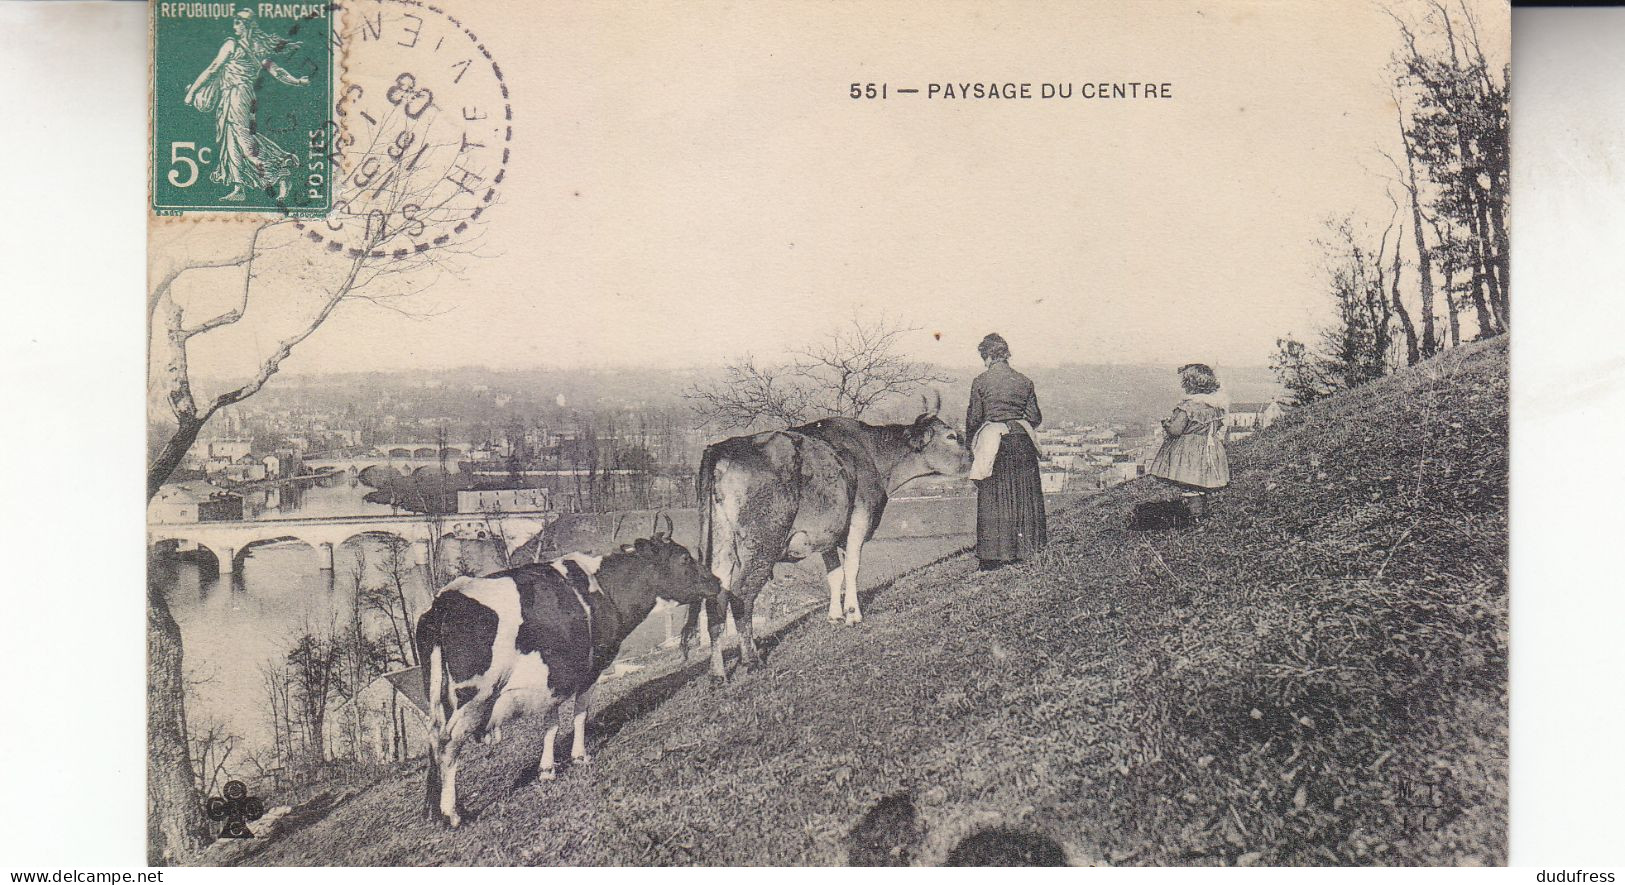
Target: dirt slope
1316,674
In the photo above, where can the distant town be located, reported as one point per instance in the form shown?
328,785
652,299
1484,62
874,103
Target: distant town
522,442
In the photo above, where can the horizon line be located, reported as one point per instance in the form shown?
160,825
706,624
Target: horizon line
646,367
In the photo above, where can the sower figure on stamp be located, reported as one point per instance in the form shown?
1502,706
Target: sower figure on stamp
246,158
1010,523
1192,457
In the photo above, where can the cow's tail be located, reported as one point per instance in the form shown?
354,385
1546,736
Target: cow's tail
704,486
432,661
438,689
437,694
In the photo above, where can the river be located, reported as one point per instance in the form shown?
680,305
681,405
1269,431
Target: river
235,626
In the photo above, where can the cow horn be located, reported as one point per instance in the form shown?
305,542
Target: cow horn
925,405
671,527
936,395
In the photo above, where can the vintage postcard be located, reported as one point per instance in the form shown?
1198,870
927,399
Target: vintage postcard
792,433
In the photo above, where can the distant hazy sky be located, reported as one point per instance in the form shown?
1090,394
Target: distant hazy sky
691,182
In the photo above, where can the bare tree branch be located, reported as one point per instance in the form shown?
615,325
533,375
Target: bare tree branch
854,369
749,395
389,202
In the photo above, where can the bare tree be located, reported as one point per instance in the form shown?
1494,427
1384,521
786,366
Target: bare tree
1413,352
1450,254
499,534
298,689
275,679
750,394
389,598
1424,262
276,274
356,640
435,523
848,373
209,742
1455,133
860,366
1358,345
316,667
1453,130
212,746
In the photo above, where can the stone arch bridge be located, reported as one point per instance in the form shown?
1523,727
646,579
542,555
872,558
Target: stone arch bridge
227,540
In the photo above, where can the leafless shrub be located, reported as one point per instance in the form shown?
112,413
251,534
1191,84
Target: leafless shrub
853,369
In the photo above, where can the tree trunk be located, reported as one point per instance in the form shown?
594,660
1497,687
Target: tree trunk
158,472
175,822
1412,356
1487,261
1498,228
176,825
1483,284
1477,285
409,650
1424,264
1424,257
1452,305
359,640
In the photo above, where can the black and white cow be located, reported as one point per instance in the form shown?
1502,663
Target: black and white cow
527,639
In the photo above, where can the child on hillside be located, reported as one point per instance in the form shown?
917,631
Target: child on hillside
1192,456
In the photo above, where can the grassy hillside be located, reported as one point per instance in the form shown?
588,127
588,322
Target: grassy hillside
1316,674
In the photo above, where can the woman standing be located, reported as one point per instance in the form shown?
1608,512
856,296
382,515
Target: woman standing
1192,457
246,157
1010,500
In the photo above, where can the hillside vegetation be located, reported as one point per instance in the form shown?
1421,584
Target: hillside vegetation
1315,674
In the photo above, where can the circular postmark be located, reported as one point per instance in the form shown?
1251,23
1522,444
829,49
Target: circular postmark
419,139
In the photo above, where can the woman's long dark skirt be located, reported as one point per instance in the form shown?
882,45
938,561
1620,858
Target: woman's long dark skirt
1010,503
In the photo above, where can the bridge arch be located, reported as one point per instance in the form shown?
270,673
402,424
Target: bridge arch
212,560
468,554
383,535
324,552
413,550
228,542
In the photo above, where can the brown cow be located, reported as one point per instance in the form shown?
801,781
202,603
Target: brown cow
783,495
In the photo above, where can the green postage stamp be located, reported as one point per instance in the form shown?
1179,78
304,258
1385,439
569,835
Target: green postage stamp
241,107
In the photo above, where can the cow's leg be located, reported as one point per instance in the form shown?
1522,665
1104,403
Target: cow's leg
744,607
469,720
448,781
544,768
434,784
754,574
578,750
725,566
856,532
716,618
837,581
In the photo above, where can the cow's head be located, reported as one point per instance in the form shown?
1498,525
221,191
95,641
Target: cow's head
674,573
938,447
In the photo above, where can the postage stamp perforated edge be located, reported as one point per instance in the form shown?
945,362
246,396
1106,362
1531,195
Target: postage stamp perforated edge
338,64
